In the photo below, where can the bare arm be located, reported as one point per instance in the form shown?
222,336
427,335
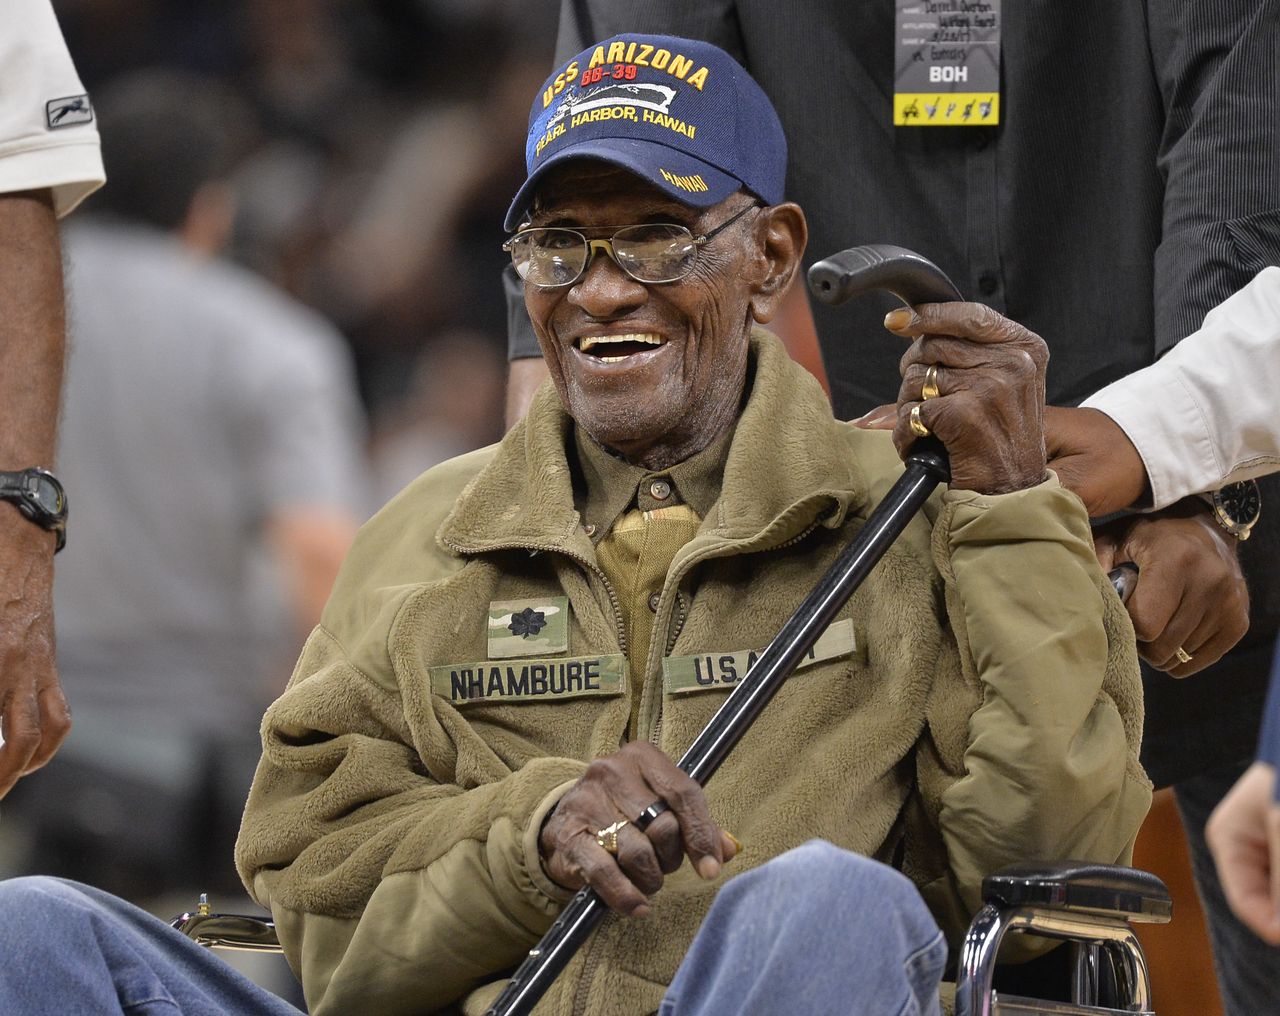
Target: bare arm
1198,419
310,542
32,328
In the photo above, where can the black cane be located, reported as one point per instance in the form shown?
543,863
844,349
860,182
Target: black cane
913,279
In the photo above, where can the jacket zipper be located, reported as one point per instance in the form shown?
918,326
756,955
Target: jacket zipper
796,539
589,965
681,613
594,951
593,956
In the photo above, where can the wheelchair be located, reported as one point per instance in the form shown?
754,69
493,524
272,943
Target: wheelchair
1090,906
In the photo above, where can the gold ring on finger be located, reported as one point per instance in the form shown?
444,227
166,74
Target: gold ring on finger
930,389
608,836
917,425
1182,655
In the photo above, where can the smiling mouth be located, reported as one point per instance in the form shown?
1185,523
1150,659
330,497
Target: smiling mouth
616,348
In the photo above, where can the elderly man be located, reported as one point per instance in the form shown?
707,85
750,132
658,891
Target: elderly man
445,768
426,798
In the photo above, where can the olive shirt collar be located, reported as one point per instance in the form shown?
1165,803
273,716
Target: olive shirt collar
787,466
611,486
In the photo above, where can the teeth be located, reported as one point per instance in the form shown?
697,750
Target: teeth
589,342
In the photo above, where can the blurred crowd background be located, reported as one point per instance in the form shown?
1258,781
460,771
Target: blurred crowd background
377,144
284,305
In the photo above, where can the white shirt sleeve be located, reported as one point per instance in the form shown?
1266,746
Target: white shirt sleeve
48,131
1205,415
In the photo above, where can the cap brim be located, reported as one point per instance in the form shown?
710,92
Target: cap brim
684,179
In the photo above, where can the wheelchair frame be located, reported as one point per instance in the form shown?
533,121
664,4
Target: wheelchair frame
1092,906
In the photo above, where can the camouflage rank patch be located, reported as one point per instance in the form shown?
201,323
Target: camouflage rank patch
529,680
684,674
528,627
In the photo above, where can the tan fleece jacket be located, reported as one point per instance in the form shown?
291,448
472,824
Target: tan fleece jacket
988,710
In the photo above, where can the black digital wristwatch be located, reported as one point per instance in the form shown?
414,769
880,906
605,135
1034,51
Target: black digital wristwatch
39,496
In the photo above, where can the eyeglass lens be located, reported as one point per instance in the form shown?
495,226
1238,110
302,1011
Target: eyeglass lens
550,256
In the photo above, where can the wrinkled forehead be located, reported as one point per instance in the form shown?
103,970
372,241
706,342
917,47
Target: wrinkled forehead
586,189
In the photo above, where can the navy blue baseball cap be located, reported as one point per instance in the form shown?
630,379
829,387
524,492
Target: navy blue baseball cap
679,113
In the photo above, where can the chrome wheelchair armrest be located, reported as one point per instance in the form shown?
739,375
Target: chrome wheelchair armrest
228,931
1090,905
1107,890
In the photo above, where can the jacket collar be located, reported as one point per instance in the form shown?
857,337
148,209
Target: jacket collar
788,467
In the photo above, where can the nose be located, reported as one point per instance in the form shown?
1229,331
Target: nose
604,290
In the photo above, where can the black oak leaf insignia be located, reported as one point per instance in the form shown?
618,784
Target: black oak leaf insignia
527,622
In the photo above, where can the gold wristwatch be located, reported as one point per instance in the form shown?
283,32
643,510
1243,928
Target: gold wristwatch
1236,507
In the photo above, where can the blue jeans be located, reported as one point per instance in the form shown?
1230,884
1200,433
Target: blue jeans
817,930
74,950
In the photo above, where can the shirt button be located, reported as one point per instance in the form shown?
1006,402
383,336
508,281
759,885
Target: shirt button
988,283
653,601
980,142
660,490
590,529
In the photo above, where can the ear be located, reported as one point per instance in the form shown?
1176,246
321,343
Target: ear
781,232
